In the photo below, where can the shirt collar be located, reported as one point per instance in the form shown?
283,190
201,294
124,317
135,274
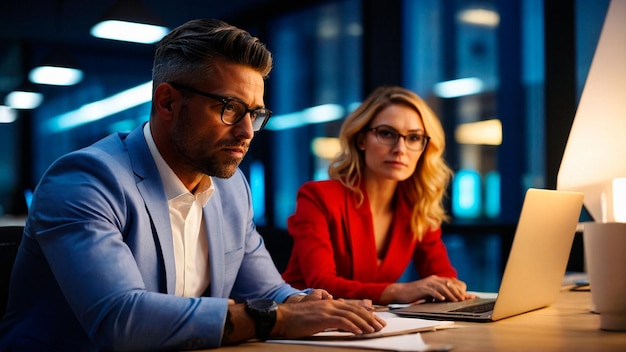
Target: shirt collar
174,187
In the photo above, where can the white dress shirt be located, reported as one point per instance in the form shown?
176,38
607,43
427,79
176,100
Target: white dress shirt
191,251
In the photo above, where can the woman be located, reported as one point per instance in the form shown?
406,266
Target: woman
355,234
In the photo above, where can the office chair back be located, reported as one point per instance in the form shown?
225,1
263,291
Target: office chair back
279,243
10,238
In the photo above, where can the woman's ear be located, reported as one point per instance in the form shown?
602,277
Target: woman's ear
360,144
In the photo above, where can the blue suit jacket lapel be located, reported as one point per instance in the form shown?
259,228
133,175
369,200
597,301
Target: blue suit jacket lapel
150,186
215,229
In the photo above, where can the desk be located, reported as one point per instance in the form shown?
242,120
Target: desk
565,326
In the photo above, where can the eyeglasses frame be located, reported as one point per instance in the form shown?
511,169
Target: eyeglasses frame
400,135
225,101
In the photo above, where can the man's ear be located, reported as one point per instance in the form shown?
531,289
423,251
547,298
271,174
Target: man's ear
165,100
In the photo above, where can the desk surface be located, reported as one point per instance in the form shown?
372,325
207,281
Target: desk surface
565,326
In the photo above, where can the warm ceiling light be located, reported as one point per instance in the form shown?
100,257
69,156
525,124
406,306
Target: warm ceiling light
480,17
325,147
488,132
130,21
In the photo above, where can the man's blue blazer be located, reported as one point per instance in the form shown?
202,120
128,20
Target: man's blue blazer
95,270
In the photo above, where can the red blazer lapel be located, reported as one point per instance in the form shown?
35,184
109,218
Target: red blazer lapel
361,237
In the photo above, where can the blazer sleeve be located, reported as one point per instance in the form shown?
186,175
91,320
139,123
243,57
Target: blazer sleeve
242,268
431,256
83,245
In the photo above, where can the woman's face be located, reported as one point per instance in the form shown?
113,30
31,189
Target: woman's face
396,161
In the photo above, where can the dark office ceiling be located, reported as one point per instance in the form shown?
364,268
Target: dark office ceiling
32,29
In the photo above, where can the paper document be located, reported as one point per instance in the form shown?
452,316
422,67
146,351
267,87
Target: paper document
400,334
395,326
407,342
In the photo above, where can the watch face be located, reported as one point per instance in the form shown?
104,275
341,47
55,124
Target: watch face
262,304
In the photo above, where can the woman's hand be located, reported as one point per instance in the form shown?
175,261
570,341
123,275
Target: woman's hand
431,288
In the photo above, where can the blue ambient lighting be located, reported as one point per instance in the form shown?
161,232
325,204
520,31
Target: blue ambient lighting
458,87
7,114
53,75
129,31
23,100
316,114
466,194
97,110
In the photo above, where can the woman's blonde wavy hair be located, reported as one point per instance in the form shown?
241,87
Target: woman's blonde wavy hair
426,188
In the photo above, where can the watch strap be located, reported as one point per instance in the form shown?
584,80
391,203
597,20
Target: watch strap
263,312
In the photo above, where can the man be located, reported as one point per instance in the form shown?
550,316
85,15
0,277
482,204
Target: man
138,241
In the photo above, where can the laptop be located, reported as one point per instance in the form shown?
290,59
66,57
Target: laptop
535,268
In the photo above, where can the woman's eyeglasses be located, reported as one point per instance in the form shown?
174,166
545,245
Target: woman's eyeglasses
388,136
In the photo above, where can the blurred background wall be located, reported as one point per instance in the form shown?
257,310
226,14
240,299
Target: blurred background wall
504,76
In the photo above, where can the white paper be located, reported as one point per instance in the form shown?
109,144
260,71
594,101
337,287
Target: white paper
395,326
400,334
407,342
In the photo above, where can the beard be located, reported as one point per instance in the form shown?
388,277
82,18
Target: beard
192,148
217,168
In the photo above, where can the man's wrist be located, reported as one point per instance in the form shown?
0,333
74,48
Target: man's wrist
229,327
264,314
296,297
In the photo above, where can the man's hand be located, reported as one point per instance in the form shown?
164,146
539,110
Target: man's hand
305,315
306,318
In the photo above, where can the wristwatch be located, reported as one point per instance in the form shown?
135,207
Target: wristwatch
263,311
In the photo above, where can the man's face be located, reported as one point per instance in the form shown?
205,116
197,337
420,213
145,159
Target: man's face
202,141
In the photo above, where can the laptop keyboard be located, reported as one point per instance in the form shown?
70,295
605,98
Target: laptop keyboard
479,308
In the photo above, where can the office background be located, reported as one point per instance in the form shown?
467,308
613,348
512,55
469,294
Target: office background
518,72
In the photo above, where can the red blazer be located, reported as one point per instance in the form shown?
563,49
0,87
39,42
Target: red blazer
334,246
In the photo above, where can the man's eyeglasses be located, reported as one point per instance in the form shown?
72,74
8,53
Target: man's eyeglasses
388,136
233,109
